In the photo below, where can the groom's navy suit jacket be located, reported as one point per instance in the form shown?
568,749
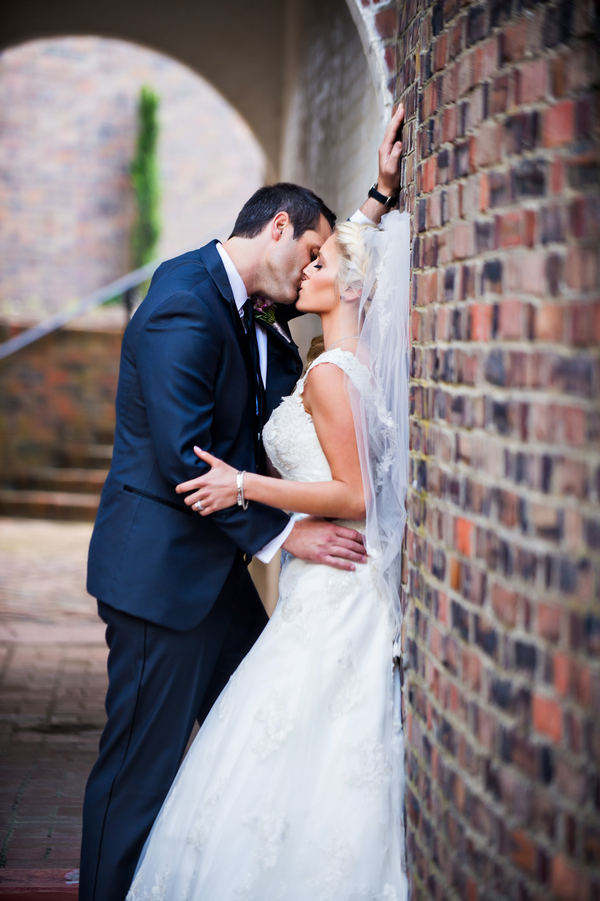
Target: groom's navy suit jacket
184,379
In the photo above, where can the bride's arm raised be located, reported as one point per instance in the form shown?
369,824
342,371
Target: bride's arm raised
326,399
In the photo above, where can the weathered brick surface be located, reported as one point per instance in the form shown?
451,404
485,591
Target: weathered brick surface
67,138
501,175
58,390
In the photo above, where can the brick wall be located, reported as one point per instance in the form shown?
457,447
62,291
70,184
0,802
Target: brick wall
68,127
502,176
59,390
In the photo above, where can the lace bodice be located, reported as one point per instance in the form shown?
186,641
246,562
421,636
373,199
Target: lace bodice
290,438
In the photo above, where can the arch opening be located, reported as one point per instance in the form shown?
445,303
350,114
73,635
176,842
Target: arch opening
69,130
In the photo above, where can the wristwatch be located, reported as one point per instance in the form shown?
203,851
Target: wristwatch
381,198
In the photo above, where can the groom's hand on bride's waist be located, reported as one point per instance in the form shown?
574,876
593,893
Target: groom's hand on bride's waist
319,541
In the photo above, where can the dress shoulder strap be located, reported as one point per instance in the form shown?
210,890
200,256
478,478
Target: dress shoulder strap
356,371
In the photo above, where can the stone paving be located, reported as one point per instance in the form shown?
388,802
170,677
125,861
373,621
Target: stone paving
52,686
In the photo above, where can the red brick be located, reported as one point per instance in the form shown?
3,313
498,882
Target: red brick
440,53
470,195
567,882
428,175
449,84
442,607
557,176
471,669
484,192
562,673
481,321
571,477
532,82
510,229
488,144
529,227
548,621
391,59
504,603
559,124
386,23
463,536
581,676
431,286
486,59
581,324
415,323
581,268
455,570
547,717
527,273
434,210
511,319
513,42
463,244
524,851
466,73
549,322
449,124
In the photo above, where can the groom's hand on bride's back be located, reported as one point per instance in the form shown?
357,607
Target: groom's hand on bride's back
319,541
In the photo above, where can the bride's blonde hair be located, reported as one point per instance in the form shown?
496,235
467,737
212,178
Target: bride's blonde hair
353,255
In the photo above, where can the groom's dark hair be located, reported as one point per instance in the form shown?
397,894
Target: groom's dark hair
302,206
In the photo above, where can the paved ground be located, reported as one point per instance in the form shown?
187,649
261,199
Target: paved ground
52,686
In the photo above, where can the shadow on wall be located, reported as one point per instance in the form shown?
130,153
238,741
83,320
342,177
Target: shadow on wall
332,124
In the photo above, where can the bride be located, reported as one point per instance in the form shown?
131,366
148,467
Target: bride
293,788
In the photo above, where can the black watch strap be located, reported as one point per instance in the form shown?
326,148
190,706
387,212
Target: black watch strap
381,198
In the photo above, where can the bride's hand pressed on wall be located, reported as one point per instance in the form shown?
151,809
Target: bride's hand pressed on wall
216,489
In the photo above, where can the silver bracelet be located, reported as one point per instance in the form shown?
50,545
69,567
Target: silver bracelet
241,500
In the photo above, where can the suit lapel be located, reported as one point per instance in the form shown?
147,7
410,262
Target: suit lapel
214,266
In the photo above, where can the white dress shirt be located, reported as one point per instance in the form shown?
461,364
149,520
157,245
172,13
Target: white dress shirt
240,296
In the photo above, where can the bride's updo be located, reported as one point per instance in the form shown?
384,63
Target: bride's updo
353,255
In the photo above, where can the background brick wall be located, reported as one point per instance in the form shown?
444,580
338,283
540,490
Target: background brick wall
59,390
502,176
68,123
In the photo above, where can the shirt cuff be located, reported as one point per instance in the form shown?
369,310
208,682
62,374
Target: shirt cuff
360,218
266,553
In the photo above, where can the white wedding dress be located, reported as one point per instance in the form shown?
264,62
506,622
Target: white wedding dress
293,788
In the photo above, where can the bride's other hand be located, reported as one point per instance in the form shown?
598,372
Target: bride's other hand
390,151
388,173
215,490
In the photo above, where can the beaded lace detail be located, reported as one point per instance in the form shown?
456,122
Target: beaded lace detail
290,438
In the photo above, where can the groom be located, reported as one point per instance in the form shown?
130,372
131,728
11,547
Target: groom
173,587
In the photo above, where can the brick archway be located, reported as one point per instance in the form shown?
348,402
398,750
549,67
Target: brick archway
239,47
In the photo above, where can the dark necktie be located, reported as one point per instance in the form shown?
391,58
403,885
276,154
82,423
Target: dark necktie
251,336
253,343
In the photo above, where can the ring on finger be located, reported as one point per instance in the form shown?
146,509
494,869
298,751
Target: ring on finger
198,505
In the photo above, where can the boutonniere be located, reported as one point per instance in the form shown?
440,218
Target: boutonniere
263,310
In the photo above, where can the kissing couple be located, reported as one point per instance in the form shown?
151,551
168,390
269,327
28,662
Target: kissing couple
293,787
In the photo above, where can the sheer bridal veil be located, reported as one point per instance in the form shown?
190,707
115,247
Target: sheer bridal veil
380,409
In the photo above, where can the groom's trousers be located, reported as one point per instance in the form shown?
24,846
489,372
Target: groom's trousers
160,681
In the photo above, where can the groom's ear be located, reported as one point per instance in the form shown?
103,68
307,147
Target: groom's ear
280,224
